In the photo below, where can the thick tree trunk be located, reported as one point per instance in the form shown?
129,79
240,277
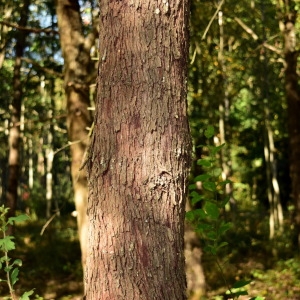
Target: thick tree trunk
139,156
293,101
14,132
77,68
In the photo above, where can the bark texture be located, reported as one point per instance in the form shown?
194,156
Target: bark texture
77,76
139,155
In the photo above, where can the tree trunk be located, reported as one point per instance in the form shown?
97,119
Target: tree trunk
139,155
293,100
193,254
77,76
14,132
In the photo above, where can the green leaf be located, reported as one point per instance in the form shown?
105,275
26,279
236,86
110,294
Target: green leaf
215,149
17,262
212,235
224,227
7,244
7,269
209,186
225,182
200,213
223,244
211,210
190,216
192,186
257,298
26,295
209,132
225,201
3,258
216,172
241,283
210,249
19,218
14,276
202,227
204,162
240,293
195,197
202,177
195,214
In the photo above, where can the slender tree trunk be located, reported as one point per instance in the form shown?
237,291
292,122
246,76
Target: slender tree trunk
224,107
273,190
293,101
5,12
14,132
193,254
139,154
77,67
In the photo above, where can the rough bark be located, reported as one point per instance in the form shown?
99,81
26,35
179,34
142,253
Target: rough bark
14,132
77,76
293,100
139,154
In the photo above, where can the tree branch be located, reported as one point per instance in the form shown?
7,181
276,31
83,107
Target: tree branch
46,70
255,36
30,29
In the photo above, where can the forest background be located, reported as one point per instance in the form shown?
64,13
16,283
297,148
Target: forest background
243,80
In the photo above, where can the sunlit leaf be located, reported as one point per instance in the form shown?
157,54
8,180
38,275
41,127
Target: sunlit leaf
26,295
6,244
19,218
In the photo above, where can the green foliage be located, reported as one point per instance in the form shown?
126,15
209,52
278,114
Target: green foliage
207,220
7,244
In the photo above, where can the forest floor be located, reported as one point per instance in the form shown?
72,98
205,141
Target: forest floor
51,263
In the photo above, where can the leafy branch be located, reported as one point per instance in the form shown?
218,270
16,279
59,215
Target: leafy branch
207,220
10,268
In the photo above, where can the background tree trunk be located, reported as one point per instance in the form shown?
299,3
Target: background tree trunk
77,77
14,132
139,156
293,101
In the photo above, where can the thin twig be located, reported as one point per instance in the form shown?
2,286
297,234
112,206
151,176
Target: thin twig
48,222
212,19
